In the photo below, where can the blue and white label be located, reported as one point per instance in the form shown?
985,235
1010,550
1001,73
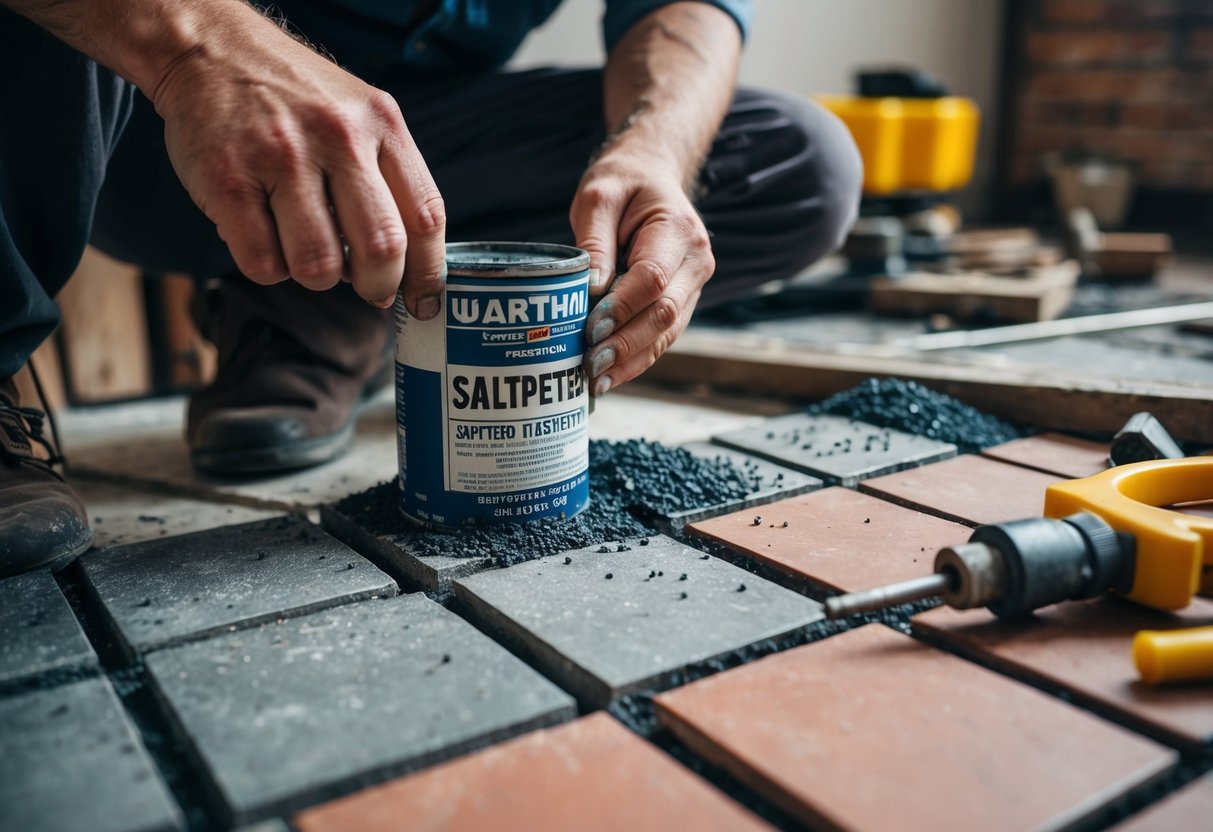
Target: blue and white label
492,402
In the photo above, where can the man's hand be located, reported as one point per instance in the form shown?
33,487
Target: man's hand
667,84
306,171
624,201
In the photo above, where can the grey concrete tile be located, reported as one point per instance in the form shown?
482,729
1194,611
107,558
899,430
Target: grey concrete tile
838,450
292,714
175,589
660,416
125,515
386,544
601,636
71,760
158,458
39,633
768,482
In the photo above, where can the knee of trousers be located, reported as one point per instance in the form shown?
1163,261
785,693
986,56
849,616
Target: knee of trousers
823,180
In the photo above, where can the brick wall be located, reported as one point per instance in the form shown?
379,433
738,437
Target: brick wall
1132,78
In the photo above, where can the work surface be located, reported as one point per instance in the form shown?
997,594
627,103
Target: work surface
216,661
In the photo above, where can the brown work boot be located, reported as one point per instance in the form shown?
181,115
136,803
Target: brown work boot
293,367
42,521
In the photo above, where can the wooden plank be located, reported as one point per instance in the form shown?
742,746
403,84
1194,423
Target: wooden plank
104,337
191,358
46,361
1040,297
1031,396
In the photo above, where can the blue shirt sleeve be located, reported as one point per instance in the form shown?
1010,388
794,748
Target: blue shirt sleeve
621,14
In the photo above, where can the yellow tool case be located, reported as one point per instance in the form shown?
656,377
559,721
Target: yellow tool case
911,144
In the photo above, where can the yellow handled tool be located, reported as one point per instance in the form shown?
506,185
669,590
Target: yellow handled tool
1174,655
1109,532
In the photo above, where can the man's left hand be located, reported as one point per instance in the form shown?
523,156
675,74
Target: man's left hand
634,209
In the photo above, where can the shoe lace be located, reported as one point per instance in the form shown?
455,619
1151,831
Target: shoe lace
30,422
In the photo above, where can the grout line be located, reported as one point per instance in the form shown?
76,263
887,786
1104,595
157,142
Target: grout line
182,775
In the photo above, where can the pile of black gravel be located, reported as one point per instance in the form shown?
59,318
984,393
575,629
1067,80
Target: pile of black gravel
909,407
629,481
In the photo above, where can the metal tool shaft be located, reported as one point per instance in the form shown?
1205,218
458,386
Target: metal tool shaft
869,600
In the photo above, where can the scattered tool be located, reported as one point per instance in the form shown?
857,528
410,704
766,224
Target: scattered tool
1165,656
1142,438
1107,532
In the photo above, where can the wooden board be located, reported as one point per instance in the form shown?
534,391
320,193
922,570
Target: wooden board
46,361
1040,297
1048,399
191,359
104,337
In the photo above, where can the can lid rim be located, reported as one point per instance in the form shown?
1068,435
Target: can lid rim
558,259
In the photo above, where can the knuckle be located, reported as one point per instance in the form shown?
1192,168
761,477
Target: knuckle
665,313
429,216
261,267
600,195
685,223
338,127
655,277
384,245
318,266
384,107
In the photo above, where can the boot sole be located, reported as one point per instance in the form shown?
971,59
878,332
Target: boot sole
276,458
296,455
57,563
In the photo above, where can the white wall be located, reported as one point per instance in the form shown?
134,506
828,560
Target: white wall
811,46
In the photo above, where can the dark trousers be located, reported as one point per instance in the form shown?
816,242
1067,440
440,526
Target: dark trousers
779,189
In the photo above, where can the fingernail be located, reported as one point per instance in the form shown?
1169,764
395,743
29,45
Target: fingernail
602,385
427,307
601,330
595,278
385,302
602,362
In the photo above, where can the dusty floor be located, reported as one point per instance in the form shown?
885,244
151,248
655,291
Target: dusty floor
243,652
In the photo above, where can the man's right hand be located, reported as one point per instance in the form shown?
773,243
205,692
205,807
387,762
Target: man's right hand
293,159
290,156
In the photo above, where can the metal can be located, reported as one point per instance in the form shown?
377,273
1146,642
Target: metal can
491,397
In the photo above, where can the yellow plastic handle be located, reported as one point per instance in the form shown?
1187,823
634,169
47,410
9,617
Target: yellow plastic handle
1174,655
1174,550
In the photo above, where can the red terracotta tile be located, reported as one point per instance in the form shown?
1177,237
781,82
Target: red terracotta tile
968,489
871,729
1189,808
591,774
1054,453
1085,648
838,538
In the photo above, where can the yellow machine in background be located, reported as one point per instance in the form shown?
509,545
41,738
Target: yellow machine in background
911,145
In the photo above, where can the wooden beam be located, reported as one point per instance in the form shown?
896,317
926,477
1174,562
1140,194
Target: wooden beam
104,338
1053,399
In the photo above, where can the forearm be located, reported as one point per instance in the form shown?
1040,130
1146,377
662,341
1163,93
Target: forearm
142,39
668,83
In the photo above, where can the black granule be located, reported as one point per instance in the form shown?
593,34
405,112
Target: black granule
741,588
757,519
631,483
683,576
567,561
682,596
610,575
660,574
910,407
704,557
867,520
785,524
644,541
602,550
